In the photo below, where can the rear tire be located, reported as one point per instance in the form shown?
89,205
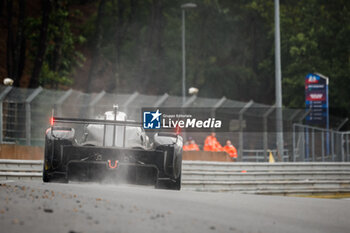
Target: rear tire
46,178
53,169
169,184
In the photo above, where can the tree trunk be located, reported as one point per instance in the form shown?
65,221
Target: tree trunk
97,43
46,9
15,46
123,21
153,46
2,3
56,56
19,49
113,80
9,51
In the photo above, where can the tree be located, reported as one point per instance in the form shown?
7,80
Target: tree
39,58
15,44
97,44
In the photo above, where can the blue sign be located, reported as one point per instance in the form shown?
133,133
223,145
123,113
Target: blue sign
151,120
316,99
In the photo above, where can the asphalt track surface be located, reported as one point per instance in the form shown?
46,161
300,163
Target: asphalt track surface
85,207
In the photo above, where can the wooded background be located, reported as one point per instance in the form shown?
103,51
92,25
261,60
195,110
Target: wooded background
123,46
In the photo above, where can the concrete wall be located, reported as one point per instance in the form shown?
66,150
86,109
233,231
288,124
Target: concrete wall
12,151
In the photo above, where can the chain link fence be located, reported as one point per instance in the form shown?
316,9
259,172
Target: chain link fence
25,115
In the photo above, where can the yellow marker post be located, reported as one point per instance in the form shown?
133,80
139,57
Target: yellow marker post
271,159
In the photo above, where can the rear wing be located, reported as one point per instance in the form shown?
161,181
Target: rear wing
56,119
104,122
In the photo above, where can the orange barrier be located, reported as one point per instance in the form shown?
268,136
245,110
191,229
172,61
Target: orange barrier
12,151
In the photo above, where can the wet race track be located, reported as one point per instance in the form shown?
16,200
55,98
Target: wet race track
29,206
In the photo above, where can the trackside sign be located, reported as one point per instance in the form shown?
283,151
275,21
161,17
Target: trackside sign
316,99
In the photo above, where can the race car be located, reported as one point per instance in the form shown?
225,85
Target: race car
112,149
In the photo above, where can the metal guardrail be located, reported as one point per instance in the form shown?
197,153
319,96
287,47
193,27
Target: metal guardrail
259,178
267,178
21,169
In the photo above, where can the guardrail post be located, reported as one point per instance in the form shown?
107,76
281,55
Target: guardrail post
2,97
240,145
28,101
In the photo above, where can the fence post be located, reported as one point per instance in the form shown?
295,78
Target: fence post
347,147
332,139
342,147
240,145
130,99
189,101
161,100
313,144
322,144
94,102
61,100
2,97
294,144
216,106
296,112
28,101
342,124
265,135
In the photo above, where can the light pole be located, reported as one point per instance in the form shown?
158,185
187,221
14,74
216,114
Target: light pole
278,86
184,7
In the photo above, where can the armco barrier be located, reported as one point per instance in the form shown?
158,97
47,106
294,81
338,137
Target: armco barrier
21,169
267,178
259,178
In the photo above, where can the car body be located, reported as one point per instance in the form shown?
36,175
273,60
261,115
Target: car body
111,149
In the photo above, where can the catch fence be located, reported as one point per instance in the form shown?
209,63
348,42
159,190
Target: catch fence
25,114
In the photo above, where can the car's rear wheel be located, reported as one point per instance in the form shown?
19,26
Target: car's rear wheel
169,184
46,177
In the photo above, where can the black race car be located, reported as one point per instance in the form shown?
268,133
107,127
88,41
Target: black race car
111,148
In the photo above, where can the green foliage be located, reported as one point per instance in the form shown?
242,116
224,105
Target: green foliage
49,77
315,39
61,56
229,47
